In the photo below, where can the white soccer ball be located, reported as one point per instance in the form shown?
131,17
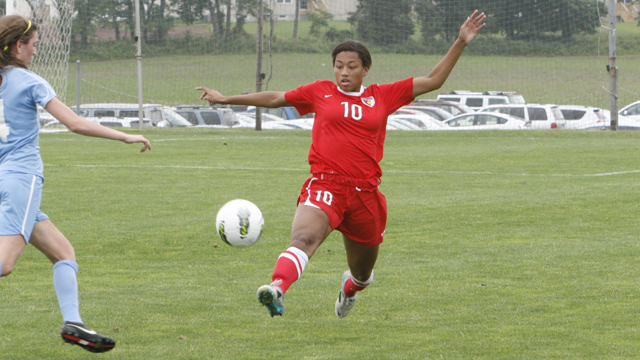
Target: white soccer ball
239,223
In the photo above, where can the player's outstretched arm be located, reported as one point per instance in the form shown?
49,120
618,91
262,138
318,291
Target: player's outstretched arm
269,99
440,73
85,127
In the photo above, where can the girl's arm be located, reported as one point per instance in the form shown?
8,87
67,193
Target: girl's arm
269,99
85,127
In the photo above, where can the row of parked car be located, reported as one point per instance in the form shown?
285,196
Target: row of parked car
460,110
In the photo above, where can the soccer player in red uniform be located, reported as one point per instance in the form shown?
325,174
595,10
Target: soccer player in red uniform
347,143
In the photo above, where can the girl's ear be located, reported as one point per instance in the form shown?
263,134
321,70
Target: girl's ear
19,45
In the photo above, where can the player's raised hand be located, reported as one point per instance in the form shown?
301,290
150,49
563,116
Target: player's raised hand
470,28
212,96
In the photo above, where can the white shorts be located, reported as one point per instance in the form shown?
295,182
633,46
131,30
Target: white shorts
20,196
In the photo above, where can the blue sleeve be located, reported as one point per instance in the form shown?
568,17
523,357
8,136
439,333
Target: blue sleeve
41,91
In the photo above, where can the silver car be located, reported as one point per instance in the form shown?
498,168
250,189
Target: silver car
421,121
434,112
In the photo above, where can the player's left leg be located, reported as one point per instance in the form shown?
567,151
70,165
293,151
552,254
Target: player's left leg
55,246
363,230
361,260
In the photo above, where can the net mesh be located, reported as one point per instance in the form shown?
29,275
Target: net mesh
54,19
548,51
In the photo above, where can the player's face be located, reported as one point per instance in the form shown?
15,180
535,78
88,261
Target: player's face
349,71
26,51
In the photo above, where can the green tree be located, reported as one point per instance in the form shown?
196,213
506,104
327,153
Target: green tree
515,19
319,19
220,12
110,13
243,9
83,26
571,17
427,14
189,10
443,18
540,19
383,22
154,20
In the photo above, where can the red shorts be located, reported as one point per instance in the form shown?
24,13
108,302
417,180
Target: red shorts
355,207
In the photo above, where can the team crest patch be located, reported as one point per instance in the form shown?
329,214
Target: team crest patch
369,101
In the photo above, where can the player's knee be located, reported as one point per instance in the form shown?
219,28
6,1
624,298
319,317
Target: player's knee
363,276
305,242
6,270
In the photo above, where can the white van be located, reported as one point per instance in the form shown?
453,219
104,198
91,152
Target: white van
477,100
153,112
540,116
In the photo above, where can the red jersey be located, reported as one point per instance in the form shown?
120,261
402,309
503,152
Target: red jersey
349,128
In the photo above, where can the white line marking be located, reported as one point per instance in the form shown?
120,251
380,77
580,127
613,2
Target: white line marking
306,170
185,139
184,167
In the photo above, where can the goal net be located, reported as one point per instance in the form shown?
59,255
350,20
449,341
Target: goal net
53,18
548,51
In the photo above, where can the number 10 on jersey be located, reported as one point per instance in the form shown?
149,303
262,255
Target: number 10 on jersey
356,111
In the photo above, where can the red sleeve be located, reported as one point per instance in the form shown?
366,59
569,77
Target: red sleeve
397,94
302,97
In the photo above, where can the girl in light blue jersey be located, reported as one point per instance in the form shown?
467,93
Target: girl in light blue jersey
21,178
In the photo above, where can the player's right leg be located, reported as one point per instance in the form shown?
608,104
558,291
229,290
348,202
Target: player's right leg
53,244
79,334
310,228
20,196
11,246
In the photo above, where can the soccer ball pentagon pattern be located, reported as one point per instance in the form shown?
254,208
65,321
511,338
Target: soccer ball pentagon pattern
239,223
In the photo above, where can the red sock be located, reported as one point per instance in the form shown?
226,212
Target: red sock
289,268
351,286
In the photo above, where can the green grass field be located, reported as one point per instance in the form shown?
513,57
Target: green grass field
499,245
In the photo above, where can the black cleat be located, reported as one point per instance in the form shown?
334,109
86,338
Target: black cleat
78,334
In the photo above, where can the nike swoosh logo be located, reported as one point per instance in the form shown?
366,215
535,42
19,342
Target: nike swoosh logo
85,330
326,96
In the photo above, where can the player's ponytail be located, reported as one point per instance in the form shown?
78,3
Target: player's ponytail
12,29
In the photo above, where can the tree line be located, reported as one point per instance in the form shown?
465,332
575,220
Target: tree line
381,22
157,17
388,22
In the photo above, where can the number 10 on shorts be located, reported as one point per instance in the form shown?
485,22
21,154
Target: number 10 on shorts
324,196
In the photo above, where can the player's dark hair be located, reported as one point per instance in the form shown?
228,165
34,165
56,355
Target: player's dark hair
351,45
12,29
